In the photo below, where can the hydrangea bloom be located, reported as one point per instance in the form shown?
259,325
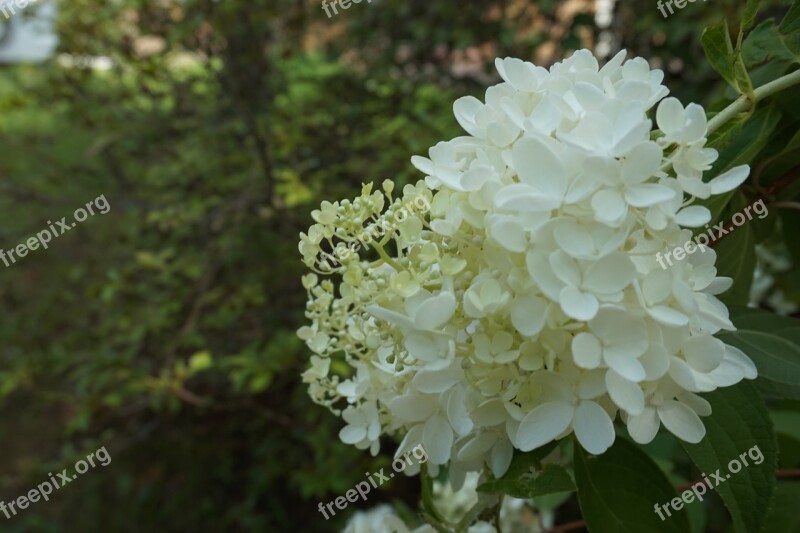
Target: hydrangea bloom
527,303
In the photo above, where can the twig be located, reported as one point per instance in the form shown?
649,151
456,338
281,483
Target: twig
743,103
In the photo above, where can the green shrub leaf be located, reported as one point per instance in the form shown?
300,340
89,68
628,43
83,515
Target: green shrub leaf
618,491
739,423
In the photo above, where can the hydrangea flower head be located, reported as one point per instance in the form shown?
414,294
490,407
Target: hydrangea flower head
526,304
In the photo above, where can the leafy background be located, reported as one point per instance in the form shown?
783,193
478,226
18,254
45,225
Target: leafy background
164,330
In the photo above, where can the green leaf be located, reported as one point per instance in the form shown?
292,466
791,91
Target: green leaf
790,28
618,492
775,352
200,361
736,257
742,145
758,319
552,479
428,505
764,43
791,21
782,162
786,423
717,45
749,16
790,218
726,60
783,516
739,146
518,481
739,423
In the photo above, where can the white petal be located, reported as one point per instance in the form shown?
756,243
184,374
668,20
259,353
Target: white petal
719,285
489,413
578,304
626,366
729,180
475,177
703,353
642,163
738,357
670,115
433,381
643,427
500,460
593,427
681,421
528,314
592,384
523,197
726,374
574,240
655,362
435,311
353,434
543,424
657,286
465,109
629,130
689,378
695,186
519,74
508,233
696,123
437,439
667,316
588,96
387,315
477,446
540,271
412,408
423,164
411,440
626,394
586,350
610,274
696,403
693,216
609,206
538,166
502,133
457,411
565,268
648,194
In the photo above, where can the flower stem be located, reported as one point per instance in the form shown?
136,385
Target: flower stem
382,253
743,103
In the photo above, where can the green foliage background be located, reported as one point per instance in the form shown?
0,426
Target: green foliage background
164,330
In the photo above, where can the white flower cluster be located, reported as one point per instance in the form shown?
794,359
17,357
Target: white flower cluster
383,518
528,305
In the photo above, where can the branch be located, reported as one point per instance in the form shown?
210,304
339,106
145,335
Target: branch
743,103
